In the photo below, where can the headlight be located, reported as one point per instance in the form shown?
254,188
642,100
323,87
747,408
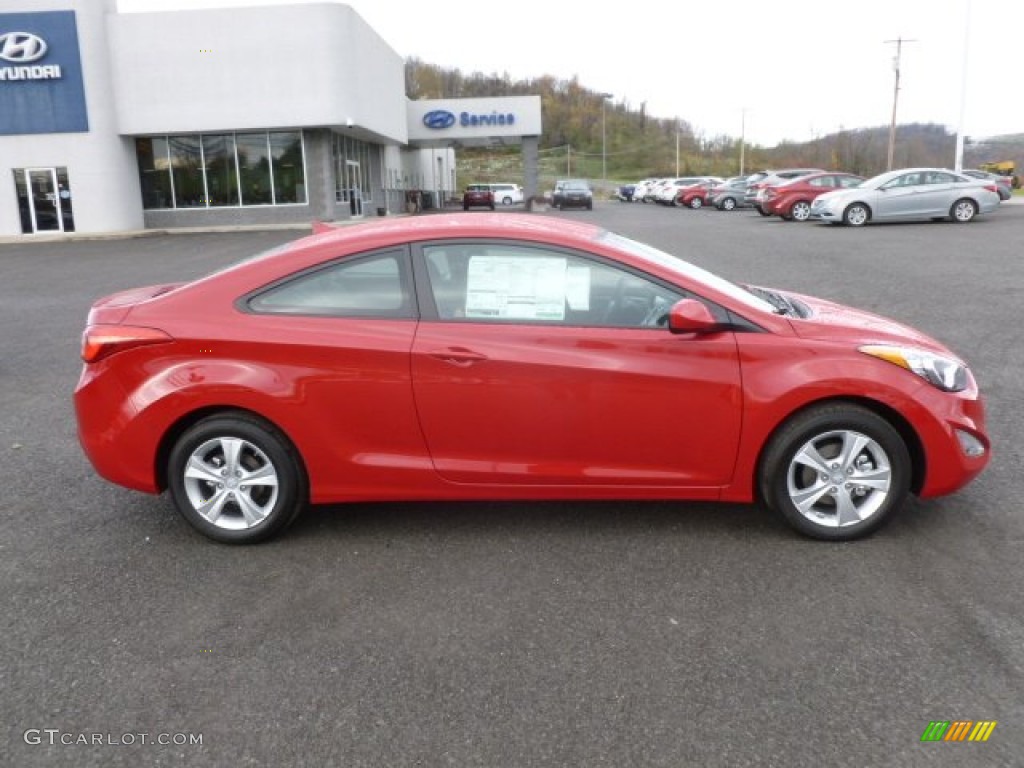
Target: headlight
945,373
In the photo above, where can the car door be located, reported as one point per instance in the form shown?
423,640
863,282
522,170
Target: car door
900,198
938,194
536,366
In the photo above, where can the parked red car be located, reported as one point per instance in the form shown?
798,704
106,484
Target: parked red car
484,356
697,196
792,200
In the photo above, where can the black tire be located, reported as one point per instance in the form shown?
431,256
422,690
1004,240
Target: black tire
861,452
465,207
856,215
696,203
963,210
728,204
262,451
492,206
590,206
506,201
762,211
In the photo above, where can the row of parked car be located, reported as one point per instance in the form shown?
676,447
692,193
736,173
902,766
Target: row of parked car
799,194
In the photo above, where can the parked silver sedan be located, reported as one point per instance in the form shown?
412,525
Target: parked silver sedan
907,195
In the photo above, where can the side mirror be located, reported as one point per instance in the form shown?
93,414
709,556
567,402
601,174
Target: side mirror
691,316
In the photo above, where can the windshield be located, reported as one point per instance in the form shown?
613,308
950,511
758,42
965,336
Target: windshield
687,270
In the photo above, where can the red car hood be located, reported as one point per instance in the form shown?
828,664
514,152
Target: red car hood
834,322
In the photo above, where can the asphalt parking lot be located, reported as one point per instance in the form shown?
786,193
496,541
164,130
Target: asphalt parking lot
516,634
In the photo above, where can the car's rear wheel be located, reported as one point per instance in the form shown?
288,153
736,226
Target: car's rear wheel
235,479
856,215
728,204
801,210
836,472
506,201
963,210
696,203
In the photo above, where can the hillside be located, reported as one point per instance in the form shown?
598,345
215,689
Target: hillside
639,145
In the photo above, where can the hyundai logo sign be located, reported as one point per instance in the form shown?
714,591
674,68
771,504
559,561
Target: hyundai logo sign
439,119
23,48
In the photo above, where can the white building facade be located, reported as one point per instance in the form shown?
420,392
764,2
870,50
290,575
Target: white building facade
123,121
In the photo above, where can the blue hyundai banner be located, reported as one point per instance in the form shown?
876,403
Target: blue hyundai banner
41,74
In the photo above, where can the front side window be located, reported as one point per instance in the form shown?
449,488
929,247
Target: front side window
222,170
493,282
371,286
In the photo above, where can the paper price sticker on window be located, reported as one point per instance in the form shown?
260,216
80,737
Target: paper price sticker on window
516,287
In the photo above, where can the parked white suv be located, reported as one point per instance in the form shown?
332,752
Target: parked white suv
507,194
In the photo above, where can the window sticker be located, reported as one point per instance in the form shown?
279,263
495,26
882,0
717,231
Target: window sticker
516,287
577,288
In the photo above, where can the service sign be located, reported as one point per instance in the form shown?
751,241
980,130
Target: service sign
41,87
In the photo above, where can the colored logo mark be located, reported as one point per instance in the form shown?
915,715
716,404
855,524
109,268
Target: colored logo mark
959,730
439,119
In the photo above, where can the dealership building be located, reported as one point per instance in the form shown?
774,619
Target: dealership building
263,115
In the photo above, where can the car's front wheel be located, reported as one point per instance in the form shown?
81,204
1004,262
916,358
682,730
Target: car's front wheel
235,479
856,215
963,210
801,210
727,204
696,203
836,472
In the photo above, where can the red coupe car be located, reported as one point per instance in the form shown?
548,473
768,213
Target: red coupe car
698,195
464,356
792,200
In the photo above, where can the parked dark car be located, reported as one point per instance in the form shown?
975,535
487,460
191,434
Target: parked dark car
573,193
478,196
729,195
1004,184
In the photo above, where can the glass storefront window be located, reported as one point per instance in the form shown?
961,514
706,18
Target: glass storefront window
289,175
254,168
222,170
154,173
221,174
187,171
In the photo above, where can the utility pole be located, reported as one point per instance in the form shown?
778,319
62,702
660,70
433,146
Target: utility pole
604,136
677,148
895,95
568,160
743,136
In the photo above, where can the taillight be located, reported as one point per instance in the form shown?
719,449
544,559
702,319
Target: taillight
100,341
992,188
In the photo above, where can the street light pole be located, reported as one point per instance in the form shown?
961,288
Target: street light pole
604,137
958,161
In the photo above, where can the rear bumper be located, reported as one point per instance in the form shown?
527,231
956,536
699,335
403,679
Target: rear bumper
109,433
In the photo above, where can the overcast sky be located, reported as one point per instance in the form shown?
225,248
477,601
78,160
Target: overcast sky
799,70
